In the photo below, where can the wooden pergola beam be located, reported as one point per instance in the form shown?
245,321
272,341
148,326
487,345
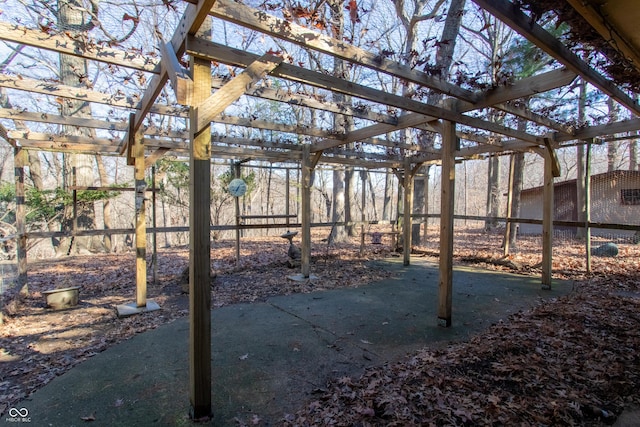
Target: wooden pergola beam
179,76
13,114
289,31
260,21
220,53
525,87
62,92
4,134
235,88
61,43
192,19
153,157
316,102
511,15
79,47
404,121
590,132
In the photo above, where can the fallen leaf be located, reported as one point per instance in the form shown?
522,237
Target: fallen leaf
89,418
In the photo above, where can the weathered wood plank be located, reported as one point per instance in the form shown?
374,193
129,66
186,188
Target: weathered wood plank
81,47
179,77
230,92
200,242
553,156
135,60
153,157
4,134
141,224
305,211
526,87
405,121
13,114
286,30
447,203
631,125
316,102
547,222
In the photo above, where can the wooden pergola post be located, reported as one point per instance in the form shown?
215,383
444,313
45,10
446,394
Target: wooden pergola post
287,196
74,193
200,241
154,223
507,230
306,211
200,255
141,221
363,179
445,285
407,208
587,204
547,220
236,200
19,161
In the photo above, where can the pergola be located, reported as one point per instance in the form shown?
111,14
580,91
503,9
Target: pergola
203,98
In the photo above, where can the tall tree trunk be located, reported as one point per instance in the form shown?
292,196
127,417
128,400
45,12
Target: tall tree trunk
444,59
387,207
350,182
74,72
106,205
373,196
493,189
339,233
580,164
518,179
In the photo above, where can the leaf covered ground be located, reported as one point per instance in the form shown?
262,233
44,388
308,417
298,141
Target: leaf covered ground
573,361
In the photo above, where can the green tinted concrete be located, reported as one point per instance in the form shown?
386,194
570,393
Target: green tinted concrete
270,357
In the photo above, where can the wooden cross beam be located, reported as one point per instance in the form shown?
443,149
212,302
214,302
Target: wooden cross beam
553,157
4,133
631,125
234,89
191,20
260,21
64,44
522,88
179,76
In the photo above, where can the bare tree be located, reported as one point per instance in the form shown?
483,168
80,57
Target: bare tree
411,14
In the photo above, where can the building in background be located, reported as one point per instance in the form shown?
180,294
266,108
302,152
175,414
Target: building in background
615,199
